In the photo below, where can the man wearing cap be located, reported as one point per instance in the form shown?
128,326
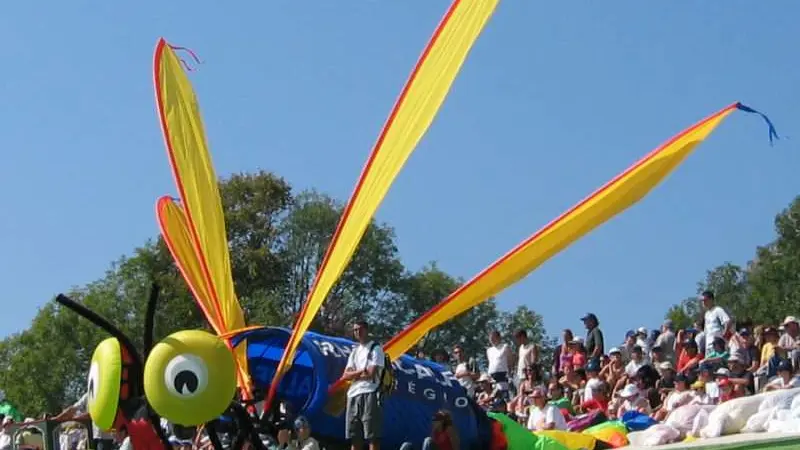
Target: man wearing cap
594,337
641,341
741,379
790,341
717,322
785,378
666,340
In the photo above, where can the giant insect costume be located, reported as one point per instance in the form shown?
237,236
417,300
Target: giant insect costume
192,377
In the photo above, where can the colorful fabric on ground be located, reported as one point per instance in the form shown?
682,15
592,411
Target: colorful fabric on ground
612,432
570,440
520,438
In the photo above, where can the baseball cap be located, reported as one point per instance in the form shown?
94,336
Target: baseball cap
681,378
593,366
641,330
630,333
722,372
785,366
615,350
590,316
699,384
666,365
735,359
629,391
301,422
790,319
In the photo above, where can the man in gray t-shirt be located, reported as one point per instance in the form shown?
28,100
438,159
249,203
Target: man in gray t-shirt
666,340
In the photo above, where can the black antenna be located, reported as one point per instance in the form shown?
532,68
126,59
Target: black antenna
149,318
98,320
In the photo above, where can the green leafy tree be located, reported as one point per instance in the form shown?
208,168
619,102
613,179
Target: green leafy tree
765,291
421,291
369,280
523,318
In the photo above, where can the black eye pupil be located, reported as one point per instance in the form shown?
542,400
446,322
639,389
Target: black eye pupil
91,386
186,382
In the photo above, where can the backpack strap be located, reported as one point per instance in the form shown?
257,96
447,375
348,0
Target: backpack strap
379,375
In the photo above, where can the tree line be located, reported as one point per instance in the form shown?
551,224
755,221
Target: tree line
277,239
762,292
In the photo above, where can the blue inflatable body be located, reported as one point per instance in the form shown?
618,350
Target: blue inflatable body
423,387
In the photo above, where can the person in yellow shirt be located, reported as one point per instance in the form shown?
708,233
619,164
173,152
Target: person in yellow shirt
768,349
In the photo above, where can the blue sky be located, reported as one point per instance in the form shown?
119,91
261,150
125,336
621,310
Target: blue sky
555,99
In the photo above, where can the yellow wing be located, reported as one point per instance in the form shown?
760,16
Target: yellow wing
197,230
616,196
413,113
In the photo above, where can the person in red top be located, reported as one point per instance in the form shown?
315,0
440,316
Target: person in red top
726,390
689,356
444,436
599,402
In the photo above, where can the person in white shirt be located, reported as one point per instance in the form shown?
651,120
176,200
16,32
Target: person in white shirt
717,322
636,362
633,400
500,359
102,440
593,381
528,355
785,378
364,420
544,416
5,436
641,341
464,373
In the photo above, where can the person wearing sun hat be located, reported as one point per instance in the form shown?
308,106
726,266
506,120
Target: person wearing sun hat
633,400
790,339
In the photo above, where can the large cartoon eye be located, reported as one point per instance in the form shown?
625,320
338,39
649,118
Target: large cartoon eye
186,376
190,377
104,383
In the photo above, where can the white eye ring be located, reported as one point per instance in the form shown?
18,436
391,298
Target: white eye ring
92,382
186,376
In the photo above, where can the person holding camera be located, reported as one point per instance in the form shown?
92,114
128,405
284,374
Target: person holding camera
301,441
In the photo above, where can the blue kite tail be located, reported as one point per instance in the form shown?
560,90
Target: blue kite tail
773,135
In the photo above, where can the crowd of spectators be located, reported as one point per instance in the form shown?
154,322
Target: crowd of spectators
652,373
